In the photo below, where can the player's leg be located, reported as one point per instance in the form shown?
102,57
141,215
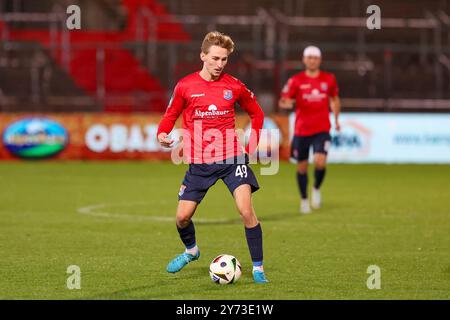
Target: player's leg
320,160
241,182
321,145
302,181
186,230
253,231
243,198
300,152
185,225
192,191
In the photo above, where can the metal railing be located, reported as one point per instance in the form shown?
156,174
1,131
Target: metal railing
269,46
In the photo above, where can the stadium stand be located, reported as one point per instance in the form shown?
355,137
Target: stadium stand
130,53
124,85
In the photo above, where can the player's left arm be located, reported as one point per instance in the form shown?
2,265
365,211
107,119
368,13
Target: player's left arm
247,101
335,103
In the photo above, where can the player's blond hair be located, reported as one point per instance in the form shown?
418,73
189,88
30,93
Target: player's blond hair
216,38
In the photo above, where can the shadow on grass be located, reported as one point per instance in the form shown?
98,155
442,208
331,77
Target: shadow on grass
176,286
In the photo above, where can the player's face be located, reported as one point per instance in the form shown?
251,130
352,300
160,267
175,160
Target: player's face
312,63
215,60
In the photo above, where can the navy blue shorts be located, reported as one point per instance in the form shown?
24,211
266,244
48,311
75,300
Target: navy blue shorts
301,144
200,177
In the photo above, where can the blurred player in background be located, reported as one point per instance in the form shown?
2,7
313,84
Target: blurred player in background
206,99
313,92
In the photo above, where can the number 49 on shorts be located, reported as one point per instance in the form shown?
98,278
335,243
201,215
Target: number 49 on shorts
241,171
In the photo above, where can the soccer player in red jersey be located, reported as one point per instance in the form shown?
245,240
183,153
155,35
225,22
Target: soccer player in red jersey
314,91
206,101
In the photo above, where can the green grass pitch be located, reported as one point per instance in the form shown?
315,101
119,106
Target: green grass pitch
115,221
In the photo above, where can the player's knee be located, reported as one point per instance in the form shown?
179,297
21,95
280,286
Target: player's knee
320,162
247,213
302,168
320,165
183,220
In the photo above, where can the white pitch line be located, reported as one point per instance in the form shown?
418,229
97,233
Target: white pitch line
91,210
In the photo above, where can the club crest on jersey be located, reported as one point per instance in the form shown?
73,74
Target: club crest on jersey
324,86
227,94
182,188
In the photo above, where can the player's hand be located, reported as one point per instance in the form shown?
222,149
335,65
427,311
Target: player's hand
164,140
337,125
286,104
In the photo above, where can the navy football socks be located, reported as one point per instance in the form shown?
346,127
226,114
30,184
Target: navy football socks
187,235
302,181
319,175
254,241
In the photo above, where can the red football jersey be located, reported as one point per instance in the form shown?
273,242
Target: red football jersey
209,117
312,101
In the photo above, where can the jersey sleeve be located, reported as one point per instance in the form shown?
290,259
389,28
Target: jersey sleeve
289,90
334,90
174,109
248,103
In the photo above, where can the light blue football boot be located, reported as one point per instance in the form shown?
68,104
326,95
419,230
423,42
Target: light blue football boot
259,277
180,261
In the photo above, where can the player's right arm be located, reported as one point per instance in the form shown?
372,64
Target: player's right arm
174,109
287,95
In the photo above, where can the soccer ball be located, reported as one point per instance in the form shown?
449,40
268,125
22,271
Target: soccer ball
225,269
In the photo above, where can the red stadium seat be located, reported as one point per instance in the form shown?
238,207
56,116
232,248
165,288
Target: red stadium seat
123,73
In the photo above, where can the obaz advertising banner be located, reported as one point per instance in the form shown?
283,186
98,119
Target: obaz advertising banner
364,137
